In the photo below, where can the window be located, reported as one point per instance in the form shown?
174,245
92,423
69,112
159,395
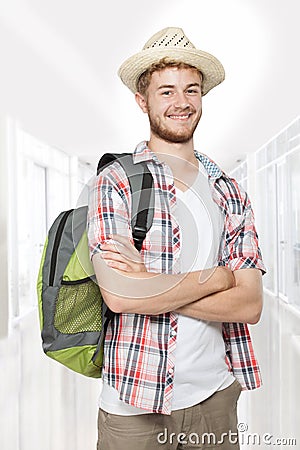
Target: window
265,214
85,174
240,174
42,192
278,212
32,225
282,225
293,218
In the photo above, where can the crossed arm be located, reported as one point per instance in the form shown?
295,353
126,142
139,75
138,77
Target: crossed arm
215,294
240,303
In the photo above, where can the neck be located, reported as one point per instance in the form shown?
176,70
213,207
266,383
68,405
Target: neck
170,150
180,158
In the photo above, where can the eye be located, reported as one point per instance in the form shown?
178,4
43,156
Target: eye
193,91
166,93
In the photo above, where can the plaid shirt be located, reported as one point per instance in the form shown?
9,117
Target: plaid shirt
140,349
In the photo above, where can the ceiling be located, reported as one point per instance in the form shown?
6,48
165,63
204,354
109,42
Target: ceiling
59,61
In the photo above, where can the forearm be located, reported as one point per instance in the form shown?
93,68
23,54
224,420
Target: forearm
152,293
242,303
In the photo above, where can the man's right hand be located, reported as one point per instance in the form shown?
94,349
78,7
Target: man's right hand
222,277
227,278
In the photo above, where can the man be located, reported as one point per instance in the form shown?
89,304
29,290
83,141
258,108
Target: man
178,351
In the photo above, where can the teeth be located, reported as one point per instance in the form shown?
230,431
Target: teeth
180,117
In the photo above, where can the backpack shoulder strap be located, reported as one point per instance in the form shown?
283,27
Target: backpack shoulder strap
142,193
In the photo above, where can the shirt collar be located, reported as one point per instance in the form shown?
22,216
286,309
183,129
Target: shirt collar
213,170
143,153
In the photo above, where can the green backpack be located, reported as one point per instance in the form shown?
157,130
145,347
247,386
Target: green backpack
73,316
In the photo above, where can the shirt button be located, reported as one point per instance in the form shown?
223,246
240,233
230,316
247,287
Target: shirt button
173,333
171,370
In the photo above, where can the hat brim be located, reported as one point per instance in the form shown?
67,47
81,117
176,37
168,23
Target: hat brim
210,67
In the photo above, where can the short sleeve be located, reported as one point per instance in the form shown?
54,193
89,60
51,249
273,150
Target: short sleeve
241,249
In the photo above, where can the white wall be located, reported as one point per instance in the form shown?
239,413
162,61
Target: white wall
274,408
42,404
272,177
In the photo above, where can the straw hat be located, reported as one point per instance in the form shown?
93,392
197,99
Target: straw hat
173,44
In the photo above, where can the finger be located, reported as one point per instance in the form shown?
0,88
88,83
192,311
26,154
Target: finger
114,256
115,246
129,253
124,241
118,265
133,266
110,248
137,268
111,253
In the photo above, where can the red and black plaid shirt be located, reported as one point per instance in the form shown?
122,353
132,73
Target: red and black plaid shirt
140,349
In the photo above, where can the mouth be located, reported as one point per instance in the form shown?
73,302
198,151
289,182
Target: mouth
180,117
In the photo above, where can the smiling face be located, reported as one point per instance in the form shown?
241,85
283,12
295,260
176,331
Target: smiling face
173,103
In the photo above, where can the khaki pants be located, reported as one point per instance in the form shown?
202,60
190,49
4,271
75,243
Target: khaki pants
211,424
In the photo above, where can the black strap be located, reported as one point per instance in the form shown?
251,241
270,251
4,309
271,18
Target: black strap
139,228
142,195
109,158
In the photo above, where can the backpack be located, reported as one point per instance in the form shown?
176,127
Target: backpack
73,316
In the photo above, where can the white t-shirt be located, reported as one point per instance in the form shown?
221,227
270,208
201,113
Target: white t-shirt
200,368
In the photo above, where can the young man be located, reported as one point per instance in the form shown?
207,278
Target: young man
178,351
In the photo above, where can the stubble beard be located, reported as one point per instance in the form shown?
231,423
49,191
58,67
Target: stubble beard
177,137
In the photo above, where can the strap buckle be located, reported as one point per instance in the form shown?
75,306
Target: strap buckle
139,233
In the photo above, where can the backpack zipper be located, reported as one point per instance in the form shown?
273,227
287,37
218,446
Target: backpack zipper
74,282
56,245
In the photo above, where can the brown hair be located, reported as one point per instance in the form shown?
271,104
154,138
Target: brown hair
144,79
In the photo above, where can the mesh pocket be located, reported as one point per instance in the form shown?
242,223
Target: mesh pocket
78,308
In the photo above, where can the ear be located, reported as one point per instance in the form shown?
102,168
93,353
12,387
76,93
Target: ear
141,101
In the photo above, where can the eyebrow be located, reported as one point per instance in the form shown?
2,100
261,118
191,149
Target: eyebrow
166,86
171,86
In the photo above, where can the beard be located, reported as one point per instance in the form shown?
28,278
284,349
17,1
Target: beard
180,136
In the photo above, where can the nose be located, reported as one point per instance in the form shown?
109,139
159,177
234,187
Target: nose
181,101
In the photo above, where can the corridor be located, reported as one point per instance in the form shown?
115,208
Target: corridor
62,106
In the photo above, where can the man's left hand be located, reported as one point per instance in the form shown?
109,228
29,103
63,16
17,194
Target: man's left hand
122,255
